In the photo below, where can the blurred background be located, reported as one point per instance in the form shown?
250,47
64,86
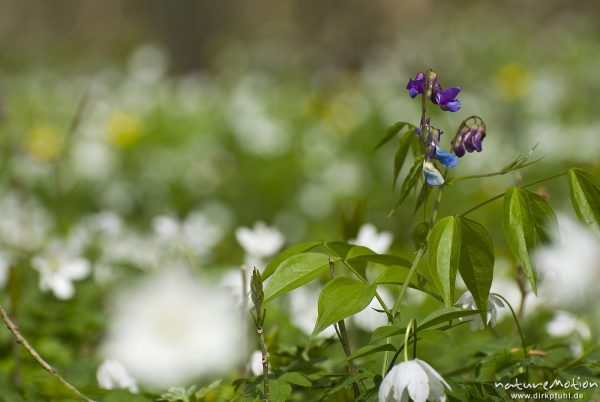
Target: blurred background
115,115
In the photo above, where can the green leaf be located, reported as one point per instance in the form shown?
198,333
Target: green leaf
444,256
279,390
444,315
383,259
294,272
585,196
295,378
341,298
411,180
396,275
402,152
285,254
391,132
528,222
476,265
371,349
419,235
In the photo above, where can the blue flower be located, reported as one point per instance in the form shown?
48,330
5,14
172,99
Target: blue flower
446,158
432,175
416,86
446,98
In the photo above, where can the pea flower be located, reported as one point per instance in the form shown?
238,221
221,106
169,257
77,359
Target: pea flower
112,375
466,301
469,139
415,379
447,159
444,98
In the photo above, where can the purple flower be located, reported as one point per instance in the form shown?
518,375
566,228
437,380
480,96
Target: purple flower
446,98
416,86
469,139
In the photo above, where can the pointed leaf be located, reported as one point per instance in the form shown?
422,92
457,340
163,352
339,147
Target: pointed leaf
411,180
476,265
444,256
294,272
341,298
402,152
370,349
528,222
285,254
391,132
585,196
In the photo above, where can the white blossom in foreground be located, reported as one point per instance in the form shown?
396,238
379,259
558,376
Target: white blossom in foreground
259,242
569,269
415,379
58,268
173,328
112,375
369,237
466,301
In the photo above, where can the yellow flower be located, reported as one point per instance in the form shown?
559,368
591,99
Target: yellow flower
124,129
44,143
512,81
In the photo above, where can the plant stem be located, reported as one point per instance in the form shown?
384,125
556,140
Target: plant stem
343,336
21,340
502,194
420,253
412,325
523,343
265,361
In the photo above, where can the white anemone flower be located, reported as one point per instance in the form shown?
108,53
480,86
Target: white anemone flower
569,268
58,268
466,301
112,375
415,379
174,328
196,232
368,237
259,242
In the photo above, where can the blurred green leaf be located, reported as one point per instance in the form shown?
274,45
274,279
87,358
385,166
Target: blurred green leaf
294,272
528,222
444,315
295,378
585,196
285,254
391,132
410,181
476,264
341,298
444,256
402,152
371,349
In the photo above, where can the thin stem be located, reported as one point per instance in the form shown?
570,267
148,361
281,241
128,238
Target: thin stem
21,340
343,337
523,343
420,253
502,194
412,326
265,360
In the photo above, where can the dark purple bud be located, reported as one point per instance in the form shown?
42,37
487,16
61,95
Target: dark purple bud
468,139
478,138
457,143
458,149
416,86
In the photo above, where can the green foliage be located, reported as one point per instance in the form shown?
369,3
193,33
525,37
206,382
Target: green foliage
444,255
476,264
585,196
529,221
294,272
341,298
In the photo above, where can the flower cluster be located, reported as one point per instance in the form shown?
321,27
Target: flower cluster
429,85
469,139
